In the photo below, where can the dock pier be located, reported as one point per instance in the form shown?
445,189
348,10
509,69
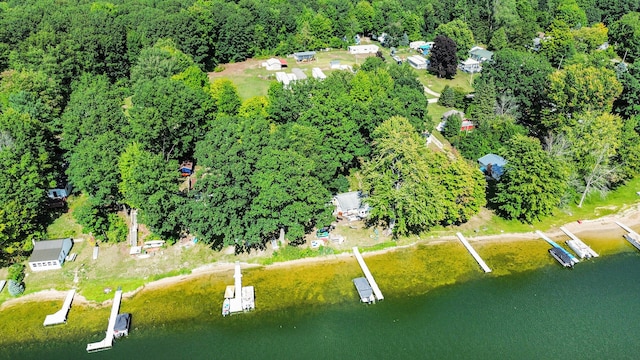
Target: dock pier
473,253
60,316
367,274
107,343
238,298
578,246
632,237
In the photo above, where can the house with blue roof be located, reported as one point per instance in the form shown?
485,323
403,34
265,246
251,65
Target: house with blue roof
492,165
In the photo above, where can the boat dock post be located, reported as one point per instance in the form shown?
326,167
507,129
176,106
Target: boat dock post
553,243
632,237
367,274
583,248
473,253
60,316
107,343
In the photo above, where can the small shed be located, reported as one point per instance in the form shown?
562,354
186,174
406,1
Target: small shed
272,64
492,165
186,168
417,62
49,254
61,192
305,56
363,49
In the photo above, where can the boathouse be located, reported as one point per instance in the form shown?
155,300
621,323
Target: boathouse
49,254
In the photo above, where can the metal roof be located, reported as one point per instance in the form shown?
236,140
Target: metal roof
47,250
492,159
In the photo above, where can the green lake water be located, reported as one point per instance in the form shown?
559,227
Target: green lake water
550,312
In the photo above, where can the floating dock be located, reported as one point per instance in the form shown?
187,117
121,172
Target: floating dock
60,316
107,343
238,298
579,247
632,237
367,274
364,290
2,283
572,258
473,253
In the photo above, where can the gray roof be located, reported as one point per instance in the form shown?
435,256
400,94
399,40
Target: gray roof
481,54
300,75
47,250
349,201
453,112
492,159
304,54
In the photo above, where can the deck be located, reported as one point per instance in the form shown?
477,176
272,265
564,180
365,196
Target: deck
60,316
107,343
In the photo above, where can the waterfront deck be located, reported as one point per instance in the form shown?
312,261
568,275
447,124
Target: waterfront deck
560,248
367,274
60,316
238,298
632,236
107,343
473,253
578,246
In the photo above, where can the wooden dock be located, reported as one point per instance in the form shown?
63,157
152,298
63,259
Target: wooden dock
577,245
367,274
60,316
632,237
473,253
107,343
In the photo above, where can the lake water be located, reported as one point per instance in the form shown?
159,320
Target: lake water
587,313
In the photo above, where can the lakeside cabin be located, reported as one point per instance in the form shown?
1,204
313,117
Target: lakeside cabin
49,254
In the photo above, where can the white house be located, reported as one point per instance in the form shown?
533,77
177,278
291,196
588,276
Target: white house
417,62
272,64
49,254
414,45
363,49
470,66
350,205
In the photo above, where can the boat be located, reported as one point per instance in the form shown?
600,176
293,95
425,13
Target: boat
226,307
364,290
561,257
123,323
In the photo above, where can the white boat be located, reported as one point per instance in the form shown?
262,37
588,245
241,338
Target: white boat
123,322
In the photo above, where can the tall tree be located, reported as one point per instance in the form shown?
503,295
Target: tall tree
444,61
26,147
458,31
402,192
626,33
533,182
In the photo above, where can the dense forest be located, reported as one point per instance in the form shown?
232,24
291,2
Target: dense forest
114,95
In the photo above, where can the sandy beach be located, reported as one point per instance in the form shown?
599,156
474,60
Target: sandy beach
629,217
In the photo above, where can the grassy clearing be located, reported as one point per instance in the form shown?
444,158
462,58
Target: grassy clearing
461,80
65,225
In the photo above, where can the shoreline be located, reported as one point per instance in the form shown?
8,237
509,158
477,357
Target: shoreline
630,217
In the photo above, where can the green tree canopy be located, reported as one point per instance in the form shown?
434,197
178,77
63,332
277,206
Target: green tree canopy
533,181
